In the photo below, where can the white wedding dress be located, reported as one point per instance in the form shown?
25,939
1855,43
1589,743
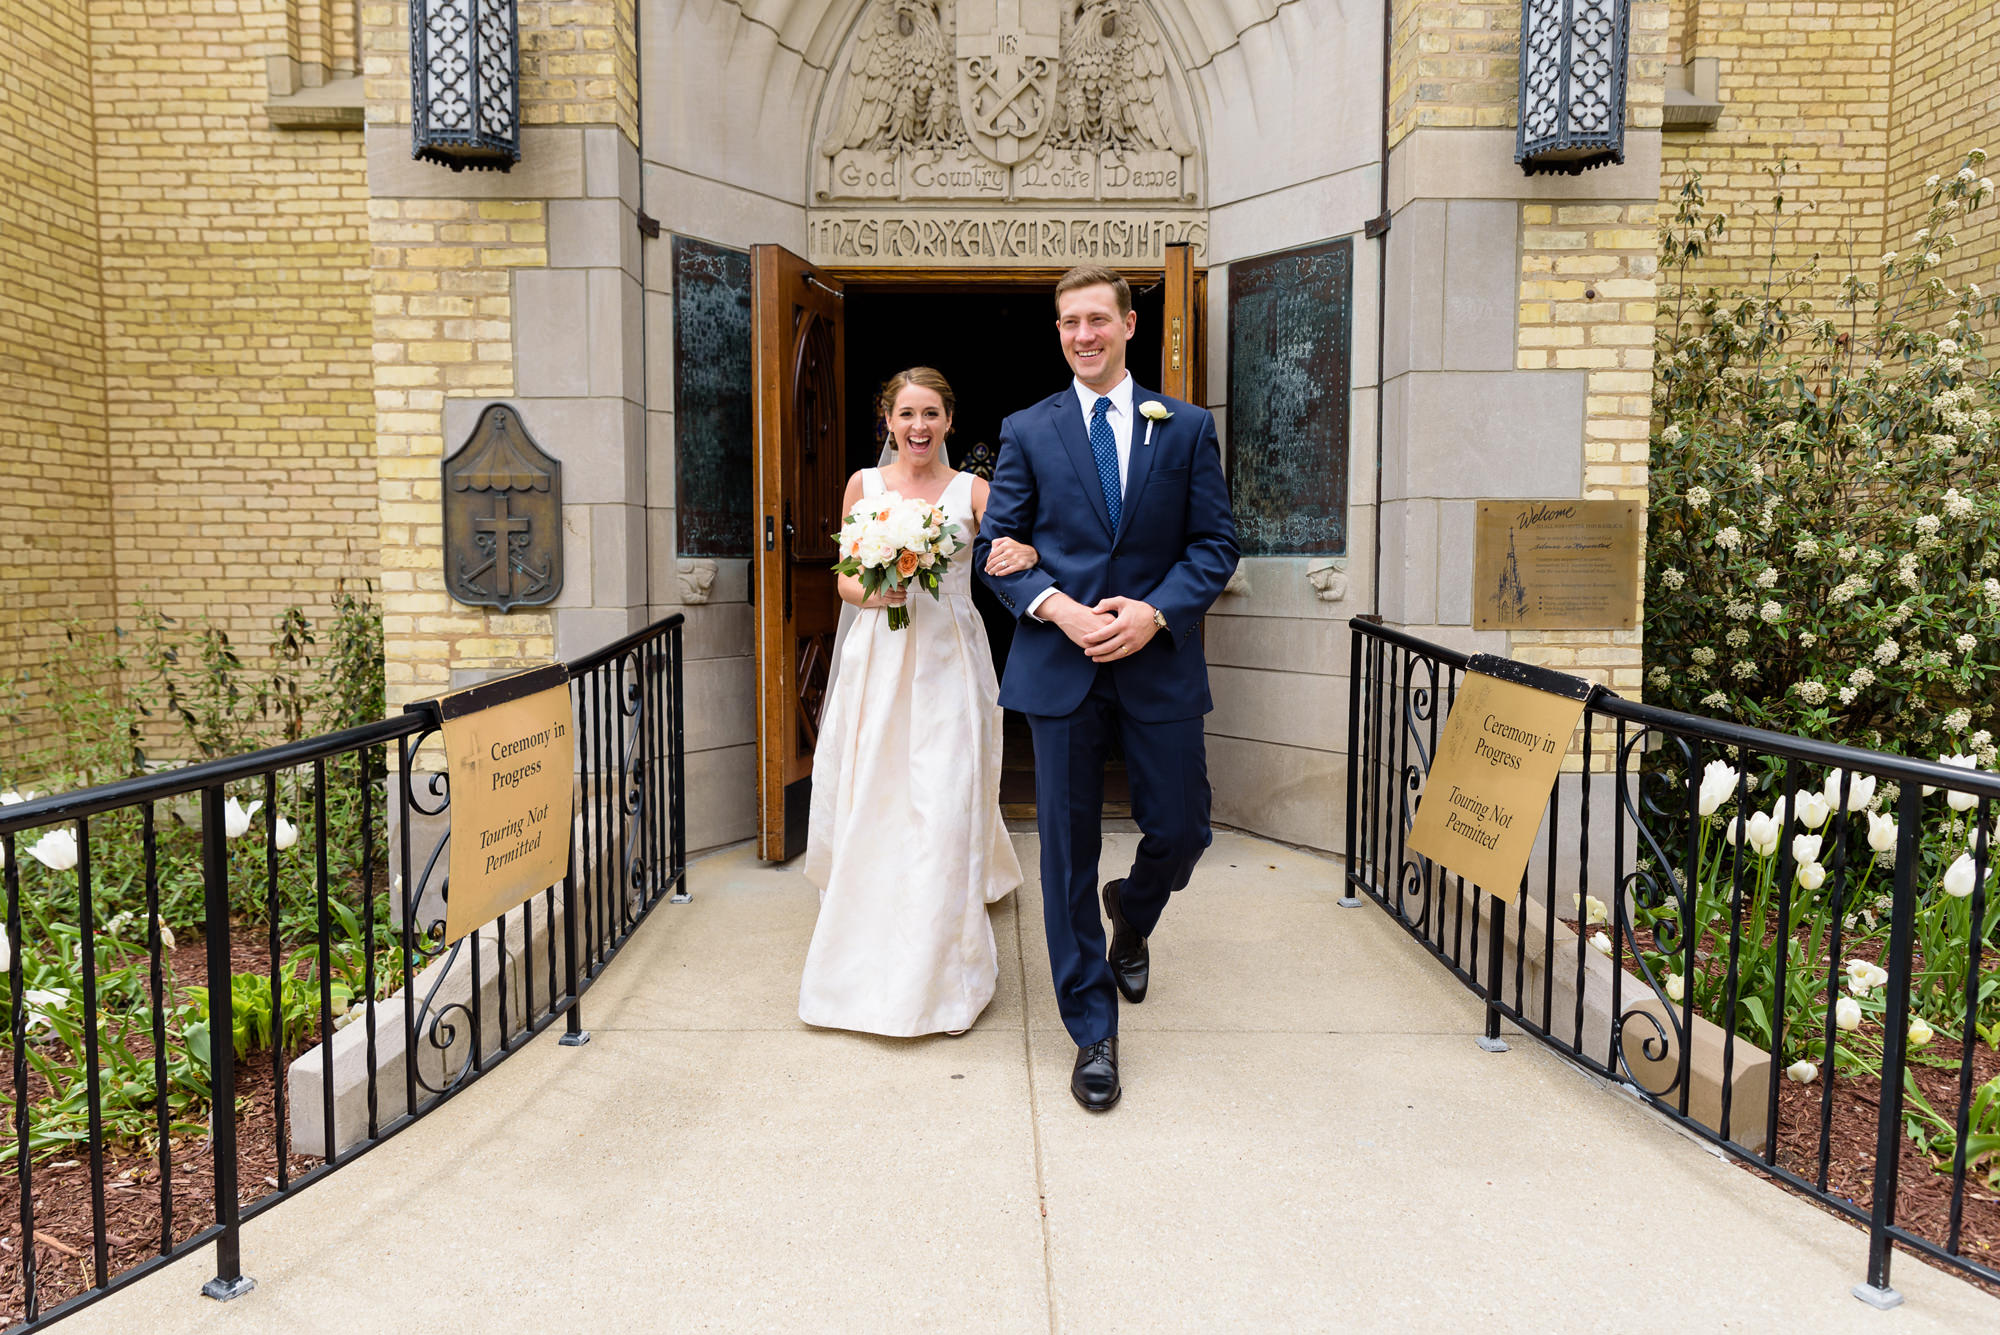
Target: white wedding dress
905,839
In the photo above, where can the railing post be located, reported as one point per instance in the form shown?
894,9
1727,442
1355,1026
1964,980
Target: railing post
230,1281
574,1035
1496,946
1350,900
1895,1052
679,767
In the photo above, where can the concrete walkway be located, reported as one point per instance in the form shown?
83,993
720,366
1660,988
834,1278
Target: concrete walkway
1309,1140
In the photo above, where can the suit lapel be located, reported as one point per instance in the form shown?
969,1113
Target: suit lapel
1069,428
1139,467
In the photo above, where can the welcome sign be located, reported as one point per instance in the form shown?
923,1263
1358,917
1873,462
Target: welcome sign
1497,760
511,754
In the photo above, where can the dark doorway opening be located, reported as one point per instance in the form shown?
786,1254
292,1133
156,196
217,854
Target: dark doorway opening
998,348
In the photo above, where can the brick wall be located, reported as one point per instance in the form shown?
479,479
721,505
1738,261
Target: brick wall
1944,104
236,325
443,313
55,532
1804,82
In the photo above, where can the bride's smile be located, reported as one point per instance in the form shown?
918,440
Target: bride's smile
919,424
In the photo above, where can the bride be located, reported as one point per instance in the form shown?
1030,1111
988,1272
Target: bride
905,840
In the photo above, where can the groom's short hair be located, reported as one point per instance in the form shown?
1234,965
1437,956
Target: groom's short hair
1095,275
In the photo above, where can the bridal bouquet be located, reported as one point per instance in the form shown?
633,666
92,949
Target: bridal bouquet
892,541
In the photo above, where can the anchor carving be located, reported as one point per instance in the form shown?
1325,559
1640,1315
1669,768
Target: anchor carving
502,517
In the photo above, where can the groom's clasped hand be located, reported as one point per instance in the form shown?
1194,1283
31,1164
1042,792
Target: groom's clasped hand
1107,545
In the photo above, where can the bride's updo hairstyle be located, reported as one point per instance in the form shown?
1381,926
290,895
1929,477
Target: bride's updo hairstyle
924,377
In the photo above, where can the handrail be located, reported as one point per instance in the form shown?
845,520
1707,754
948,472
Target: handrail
1717,937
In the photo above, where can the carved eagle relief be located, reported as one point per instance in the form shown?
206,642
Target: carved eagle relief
901,88
1113,91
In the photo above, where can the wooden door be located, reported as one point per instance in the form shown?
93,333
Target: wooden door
1183,369
798,369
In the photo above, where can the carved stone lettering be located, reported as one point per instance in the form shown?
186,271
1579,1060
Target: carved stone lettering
999,237
960,174
1144,176
1057,174
865,173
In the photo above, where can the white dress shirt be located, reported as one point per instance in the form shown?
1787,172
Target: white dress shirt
1120,418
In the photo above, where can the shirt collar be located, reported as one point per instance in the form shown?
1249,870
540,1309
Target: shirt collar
1120,396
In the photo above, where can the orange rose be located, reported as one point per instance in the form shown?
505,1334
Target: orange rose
906,564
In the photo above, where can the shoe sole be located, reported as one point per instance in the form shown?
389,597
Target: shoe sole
1099,1107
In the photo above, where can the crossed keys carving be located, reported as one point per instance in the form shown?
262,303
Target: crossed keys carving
986,74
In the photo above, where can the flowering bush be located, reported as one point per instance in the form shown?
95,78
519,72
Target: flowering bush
1823,555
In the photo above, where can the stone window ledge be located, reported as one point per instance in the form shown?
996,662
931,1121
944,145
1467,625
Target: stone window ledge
1694,99
335,105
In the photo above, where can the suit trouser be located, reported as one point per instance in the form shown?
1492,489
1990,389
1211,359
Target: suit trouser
1168,768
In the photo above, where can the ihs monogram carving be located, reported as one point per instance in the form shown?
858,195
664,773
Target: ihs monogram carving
1004,100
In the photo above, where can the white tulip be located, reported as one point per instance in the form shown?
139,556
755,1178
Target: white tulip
1960,801
236,817
1860,790
1847,1013
287,834
1805,848
1718,785
1803,1072
1812,876
1676,987
1813,810
1600,943
6,951
1881,832
1958,877
43,1000
166,935
55,850
1864,975
1920,1032
1764,831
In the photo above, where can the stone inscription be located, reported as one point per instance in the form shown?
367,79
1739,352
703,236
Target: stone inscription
1290,328
1009,237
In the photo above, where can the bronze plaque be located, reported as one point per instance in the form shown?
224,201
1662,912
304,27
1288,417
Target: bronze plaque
502,517
1556,565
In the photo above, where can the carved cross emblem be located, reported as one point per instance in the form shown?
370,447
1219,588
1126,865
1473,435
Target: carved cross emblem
1008,55
502,517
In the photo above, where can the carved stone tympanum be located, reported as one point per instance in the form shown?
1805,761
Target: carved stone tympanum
1007,100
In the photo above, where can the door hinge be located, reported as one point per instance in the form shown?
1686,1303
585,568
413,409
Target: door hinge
649,226
770,533
1177,342
1376,227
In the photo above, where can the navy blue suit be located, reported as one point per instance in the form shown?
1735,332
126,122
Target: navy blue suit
1175,548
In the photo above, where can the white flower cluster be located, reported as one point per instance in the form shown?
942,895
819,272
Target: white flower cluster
1698,496
1851,587
1906,570
1966,643
1703,655
1886,652
1992,589
1674,579
1729,538
1958,720
1813,692
1862,678
1771,610
1767,578
1741,609
1805,549
1743,669
1671,435
1957,505
1737,637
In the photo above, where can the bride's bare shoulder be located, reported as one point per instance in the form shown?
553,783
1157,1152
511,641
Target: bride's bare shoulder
856,484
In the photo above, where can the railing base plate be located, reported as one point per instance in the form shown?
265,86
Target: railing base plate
1881,1299
682,898
575,1040
222,1290
1491,1044
1351,902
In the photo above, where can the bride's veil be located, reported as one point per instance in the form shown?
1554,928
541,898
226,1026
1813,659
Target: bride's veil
848,611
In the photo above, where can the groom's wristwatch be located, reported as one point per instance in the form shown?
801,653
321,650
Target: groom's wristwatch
1159,618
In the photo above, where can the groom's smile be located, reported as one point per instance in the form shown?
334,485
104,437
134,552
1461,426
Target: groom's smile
1094,334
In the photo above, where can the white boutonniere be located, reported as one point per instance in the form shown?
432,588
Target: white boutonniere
1153,411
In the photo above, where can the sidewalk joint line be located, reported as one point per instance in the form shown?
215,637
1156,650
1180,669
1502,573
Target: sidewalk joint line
1035,1123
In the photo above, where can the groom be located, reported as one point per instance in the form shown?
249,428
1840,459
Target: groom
1122,494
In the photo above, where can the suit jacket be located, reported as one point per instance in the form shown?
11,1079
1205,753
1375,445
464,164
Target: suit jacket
1175,548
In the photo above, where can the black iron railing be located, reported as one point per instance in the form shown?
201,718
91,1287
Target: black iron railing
1807,986
127,1080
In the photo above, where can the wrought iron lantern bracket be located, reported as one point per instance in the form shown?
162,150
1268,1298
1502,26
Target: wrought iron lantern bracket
1573,63
465,83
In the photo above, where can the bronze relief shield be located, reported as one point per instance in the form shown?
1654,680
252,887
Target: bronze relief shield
502,517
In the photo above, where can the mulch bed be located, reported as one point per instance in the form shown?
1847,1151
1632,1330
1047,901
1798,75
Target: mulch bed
1923,1194
64,1233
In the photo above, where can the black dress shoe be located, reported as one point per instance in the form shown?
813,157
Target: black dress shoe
1131,962
1095,1079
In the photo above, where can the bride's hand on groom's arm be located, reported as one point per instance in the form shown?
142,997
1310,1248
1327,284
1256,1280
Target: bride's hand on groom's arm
1009,557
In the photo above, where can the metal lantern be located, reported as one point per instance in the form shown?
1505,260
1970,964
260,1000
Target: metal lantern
1572,85
465,83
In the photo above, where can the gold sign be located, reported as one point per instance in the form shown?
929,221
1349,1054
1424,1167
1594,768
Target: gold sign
1497,760
511,754
1556,565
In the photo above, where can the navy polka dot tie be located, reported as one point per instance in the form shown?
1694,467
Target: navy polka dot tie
1104,447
